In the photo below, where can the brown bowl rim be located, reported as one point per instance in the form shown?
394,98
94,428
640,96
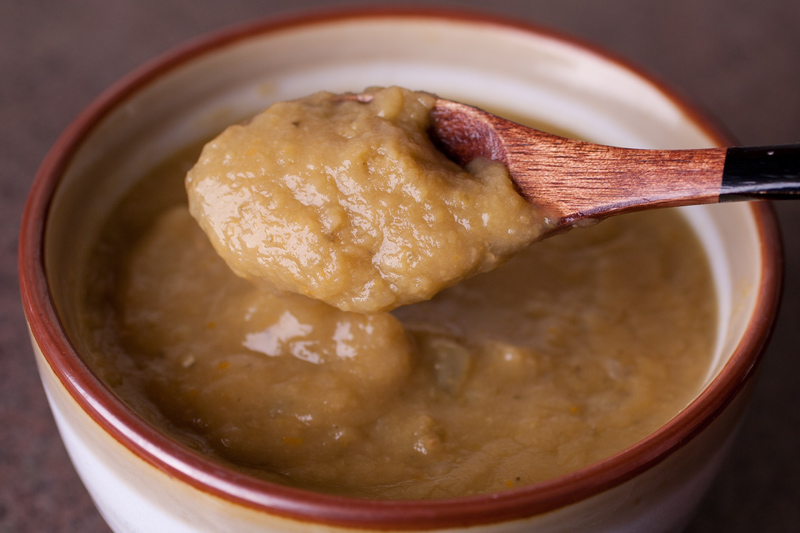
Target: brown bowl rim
202,473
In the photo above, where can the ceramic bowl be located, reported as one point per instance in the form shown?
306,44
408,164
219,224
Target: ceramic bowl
143,481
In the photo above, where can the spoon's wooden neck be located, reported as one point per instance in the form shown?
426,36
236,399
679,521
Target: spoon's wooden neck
582,180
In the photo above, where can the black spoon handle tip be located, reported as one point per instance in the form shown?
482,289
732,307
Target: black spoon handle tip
766,172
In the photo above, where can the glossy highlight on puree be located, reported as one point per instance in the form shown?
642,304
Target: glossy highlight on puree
550,363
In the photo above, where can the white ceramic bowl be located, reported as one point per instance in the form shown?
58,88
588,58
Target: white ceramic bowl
142,481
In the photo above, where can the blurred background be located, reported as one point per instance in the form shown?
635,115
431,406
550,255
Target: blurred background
737,59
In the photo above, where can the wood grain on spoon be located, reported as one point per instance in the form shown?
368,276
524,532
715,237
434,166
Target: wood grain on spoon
578,179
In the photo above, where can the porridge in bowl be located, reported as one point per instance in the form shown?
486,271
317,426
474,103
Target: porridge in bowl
576,348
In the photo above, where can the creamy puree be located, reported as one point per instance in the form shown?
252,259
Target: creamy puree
577,347
350,203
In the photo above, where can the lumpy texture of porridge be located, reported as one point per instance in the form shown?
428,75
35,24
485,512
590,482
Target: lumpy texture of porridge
350,203
576,348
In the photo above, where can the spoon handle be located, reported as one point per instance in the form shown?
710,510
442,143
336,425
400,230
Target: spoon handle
575,180
760,173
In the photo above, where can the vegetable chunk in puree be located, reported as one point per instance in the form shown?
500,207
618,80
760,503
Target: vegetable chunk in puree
577,347
350,203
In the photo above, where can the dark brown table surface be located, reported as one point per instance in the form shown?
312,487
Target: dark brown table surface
738,59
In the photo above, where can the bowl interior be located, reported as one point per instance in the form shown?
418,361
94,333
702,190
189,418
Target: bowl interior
197,92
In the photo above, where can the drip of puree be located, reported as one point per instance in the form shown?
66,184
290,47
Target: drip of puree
576,348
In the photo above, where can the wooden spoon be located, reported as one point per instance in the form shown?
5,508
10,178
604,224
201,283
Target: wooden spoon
579,182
